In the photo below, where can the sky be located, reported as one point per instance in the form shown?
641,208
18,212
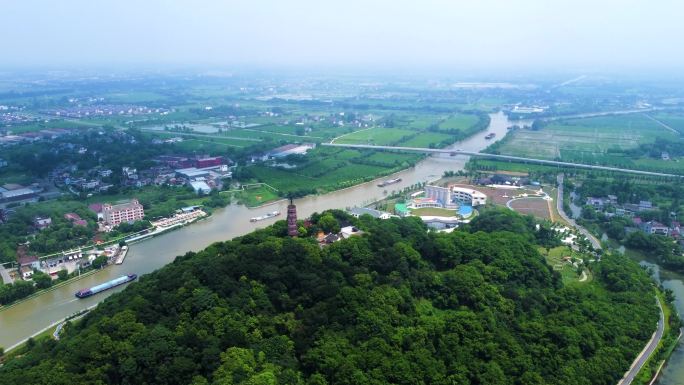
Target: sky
564,35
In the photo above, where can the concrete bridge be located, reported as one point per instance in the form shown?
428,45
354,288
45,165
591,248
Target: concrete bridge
504,157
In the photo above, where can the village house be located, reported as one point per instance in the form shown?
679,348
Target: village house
41,223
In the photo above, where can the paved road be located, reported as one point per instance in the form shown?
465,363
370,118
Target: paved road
503,157
660,329
646,353
559,205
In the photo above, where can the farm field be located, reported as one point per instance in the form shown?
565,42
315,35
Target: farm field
377,136
329,169
428,138
590,135
423,130
458,121
598,140
672,119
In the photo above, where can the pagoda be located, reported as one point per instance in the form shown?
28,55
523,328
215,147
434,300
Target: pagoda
292,229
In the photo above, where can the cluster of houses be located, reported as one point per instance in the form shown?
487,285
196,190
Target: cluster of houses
345,232
85,111
70,261
28,137
503,180
202,173
610,207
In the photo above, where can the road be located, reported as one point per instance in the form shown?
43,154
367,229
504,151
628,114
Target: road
662,124
504,157
559,205
660,329
648,350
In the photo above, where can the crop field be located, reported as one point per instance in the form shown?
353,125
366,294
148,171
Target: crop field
377,136
425,139
38,126
292,180
671,119
585,140
392,157
328,169
420,122
458,121
135,97
194,142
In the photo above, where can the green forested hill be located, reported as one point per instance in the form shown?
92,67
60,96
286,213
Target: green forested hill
398,305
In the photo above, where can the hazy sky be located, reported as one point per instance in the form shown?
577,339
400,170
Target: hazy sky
535,34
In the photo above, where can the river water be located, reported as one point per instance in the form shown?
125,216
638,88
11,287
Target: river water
26,318
673,372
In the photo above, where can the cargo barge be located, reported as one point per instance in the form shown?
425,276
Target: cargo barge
265,216
389,182
106,286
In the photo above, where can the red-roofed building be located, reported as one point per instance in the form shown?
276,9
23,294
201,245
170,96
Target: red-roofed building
75,219
209,162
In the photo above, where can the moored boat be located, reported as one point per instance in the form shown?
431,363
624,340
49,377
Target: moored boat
265,216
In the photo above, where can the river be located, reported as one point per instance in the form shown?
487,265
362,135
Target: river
673,372
26,318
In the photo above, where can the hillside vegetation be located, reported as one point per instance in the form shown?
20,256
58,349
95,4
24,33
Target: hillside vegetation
396,305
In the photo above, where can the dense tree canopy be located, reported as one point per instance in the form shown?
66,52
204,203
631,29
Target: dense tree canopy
397,305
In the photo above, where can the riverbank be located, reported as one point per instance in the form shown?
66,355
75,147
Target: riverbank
224,223
113,261
49,289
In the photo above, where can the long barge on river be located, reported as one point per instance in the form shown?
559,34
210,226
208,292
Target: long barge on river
389,182
265,216
106,286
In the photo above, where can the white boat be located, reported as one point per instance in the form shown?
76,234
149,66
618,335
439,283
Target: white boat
265,216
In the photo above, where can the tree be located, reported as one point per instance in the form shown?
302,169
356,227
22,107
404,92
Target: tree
42,280
99,261
329,224
63,275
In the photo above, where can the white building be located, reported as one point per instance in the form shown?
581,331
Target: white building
200,187
469,196
441,195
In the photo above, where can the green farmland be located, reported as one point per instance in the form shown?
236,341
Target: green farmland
609,140
328,169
